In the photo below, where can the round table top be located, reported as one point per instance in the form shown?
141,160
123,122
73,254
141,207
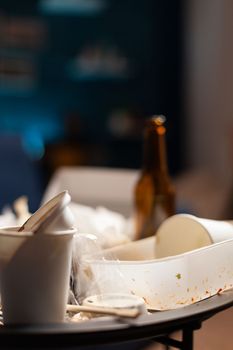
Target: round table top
113,330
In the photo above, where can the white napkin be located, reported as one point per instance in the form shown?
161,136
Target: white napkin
7,218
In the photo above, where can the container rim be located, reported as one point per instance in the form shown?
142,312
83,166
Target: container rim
12,232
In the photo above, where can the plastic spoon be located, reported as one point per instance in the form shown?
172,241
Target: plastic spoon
130,313
48,213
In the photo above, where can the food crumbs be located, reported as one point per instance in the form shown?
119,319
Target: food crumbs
178,276
219,291
88,272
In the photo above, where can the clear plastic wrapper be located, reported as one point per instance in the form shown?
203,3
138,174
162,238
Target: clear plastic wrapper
109,227
83,283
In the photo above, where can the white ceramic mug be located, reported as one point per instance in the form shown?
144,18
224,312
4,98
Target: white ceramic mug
35,272
184,232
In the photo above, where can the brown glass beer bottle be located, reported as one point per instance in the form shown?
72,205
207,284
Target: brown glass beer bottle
154,191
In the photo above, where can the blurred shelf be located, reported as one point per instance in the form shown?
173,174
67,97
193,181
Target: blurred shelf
81,76
19,87
72,7
76,74
18,52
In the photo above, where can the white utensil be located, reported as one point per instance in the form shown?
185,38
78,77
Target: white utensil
130,313
52,216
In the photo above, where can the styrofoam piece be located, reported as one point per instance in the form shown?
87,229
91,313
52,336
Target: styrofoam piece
166,283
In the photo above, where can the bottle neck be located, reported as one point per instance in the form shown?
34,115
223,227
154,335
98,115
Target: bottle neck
155,158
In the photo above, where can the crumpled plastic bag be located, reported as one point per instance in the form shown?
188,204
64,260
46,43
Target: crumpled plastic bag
109,227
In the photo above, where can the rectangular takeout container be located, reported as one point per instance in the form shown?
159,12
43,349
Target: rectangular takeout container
166,283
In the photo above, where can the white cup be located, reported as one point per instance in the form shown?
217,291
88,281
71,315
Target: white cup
10,241
35,272
183,232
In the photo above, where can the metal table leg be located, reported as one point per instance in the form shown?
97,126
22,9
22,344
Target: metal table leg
187,338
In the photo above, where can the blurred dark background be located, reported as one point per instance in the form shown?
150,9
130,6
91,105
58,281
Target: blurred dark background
77,81
78,78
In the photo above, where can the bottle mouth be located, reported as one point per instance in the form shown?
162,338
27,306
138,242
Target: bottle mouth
158,120
156,123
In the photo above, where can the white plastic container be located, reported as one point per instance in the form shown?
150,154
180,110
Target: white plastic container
166,283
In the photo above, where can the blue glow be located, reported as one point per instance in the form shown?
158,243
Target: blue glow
72,7
33,143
